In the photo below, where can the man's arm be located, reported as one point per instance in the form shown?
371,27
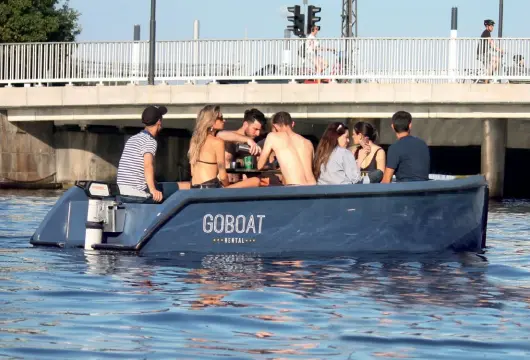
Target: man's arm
149,173
387,176
391,164
232,136
267,148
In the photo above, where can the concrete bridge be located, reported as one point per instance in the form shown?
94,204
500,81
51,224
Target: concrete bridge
58,126
62,134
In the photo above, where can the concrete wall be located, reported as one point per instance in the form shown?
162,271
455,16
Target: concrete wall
27,152
39,152
458,132
87,155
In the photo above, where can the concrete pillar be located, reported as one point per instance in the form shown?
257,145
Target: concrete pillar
88,155
26,151
493,153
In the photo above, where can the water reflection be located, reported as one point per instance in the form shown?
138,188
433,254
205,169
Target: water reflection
444,279
119,305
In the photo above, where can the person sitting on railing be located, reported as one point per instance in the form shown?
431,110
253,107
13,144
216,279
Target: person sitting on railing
487,50
371,158
334,164
409,158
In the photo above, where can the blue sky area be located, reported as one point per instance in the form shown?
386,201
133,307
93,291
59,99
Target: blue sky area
230,19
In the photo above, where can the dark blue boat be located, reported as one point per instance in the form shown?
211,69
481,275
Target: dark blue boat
398,217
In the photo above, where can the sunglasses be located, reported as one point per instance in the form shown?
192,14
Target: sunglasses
220,117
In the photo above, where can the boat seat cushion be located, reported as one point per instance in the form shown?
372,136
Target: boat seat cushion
110,190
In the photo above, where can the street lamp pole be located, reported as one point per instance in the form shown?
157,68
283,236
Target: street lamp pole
501,16
152,45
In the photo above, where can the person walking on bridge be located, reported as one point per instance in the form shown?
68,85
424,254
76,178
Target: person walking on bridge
487,50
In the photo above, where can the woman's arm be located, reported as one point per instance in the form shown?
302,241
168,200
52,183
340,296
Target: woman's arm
380,159
220,160
351,169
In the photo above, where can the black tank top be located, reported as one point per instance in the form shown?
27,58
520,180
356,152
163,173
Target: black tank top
373,164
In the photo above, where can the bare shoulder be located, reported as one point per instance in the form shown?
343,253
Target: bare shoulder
272,136
307,142
215,141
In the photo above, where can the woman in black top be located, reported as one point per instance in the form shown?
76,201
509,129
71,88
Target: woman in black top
370,157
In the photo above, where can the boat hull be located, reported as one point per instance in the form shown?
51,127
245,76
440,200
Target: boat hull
398,217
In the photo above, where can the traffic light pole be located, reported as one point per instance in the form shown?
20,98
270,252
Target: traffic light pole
349,18
152,45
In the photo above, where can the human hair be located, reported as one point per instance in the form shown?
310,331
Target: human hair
205,121
282,118
367,130
252,115
327,144
401,121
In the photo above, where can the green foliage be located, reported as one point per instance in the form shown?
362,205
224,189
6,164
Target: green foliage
37,21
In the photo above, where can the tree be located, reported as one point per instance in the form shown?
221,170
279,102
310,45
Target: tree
38,21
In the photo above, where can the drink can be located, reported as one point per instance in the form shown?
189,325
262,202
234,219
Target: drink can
249,162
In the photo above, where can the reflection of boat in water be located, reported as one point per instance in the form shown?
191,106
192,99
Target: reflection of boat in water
405,217
444,279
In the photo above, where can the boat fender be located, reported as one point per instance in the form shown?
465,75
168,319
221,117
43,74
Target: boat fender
94,224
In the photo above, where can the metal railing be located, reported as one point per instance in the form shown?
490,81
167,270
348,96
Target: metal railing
384,60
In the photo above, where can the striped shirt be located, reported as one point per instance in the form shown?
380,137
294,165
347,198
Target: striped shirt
131,166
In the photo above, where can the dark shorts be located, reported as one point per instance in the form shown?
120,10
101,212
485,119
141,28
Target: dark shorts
210,184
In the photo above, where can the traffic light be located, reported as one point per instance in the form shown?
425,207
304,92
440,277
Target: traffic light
312,19
297,19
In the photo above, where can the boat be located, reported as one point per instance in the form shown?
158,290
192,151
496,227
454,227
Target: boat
443,213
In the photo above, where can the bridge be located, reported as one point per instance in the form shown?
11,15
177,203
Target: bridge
49,89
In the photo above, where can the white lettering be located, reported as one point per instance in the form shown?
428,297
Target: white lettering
229,224
218,223
260,217
207,225
240,225
251,225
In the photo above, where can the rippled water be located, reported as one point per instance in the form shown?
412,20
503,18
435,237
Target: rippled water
70,304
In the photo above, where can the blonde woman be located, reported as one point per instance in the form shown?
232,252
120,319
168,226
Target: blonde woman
207,152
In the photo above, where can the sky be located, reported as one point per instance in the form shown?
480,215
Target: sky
113,20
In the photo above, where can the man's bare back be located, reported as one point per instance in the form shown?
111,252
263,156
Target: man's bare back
294,154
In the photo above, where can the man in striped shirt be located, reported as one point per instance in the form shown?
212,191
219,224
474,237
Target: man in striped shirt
136,167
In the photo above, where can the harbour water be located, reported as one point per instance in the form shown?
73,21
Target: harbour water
84,305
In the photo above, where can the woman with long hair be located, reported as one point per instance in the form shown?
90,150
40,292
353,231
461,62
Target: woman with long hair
207,152
333,162
370,157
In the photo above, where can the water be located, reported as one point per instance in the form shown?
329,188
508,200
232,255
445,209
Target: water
70,304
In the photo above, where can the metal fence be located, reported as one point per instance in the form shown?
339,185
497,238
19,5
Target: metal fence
384,60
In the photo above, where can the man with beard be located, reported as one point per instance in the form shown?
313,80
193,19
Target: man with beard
253,124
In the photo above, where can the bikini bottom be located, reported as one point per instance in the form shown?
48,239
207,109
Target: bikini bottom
210,184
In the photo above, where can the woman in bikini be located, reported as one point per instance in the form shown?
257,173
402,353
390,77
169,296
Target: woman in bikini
207,152
370,157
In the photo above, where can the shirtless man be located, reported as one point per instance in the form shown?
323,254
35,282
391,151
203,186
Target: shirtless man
293,152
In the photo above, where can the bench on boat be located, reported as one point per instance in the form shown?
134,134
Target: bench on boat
107,190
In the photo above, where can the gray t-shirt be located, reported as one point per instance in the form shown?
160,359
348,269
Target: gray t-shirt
340,169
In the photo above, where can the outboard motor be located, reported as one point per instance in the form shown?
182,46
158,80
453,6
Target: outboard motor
94,224
104,213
